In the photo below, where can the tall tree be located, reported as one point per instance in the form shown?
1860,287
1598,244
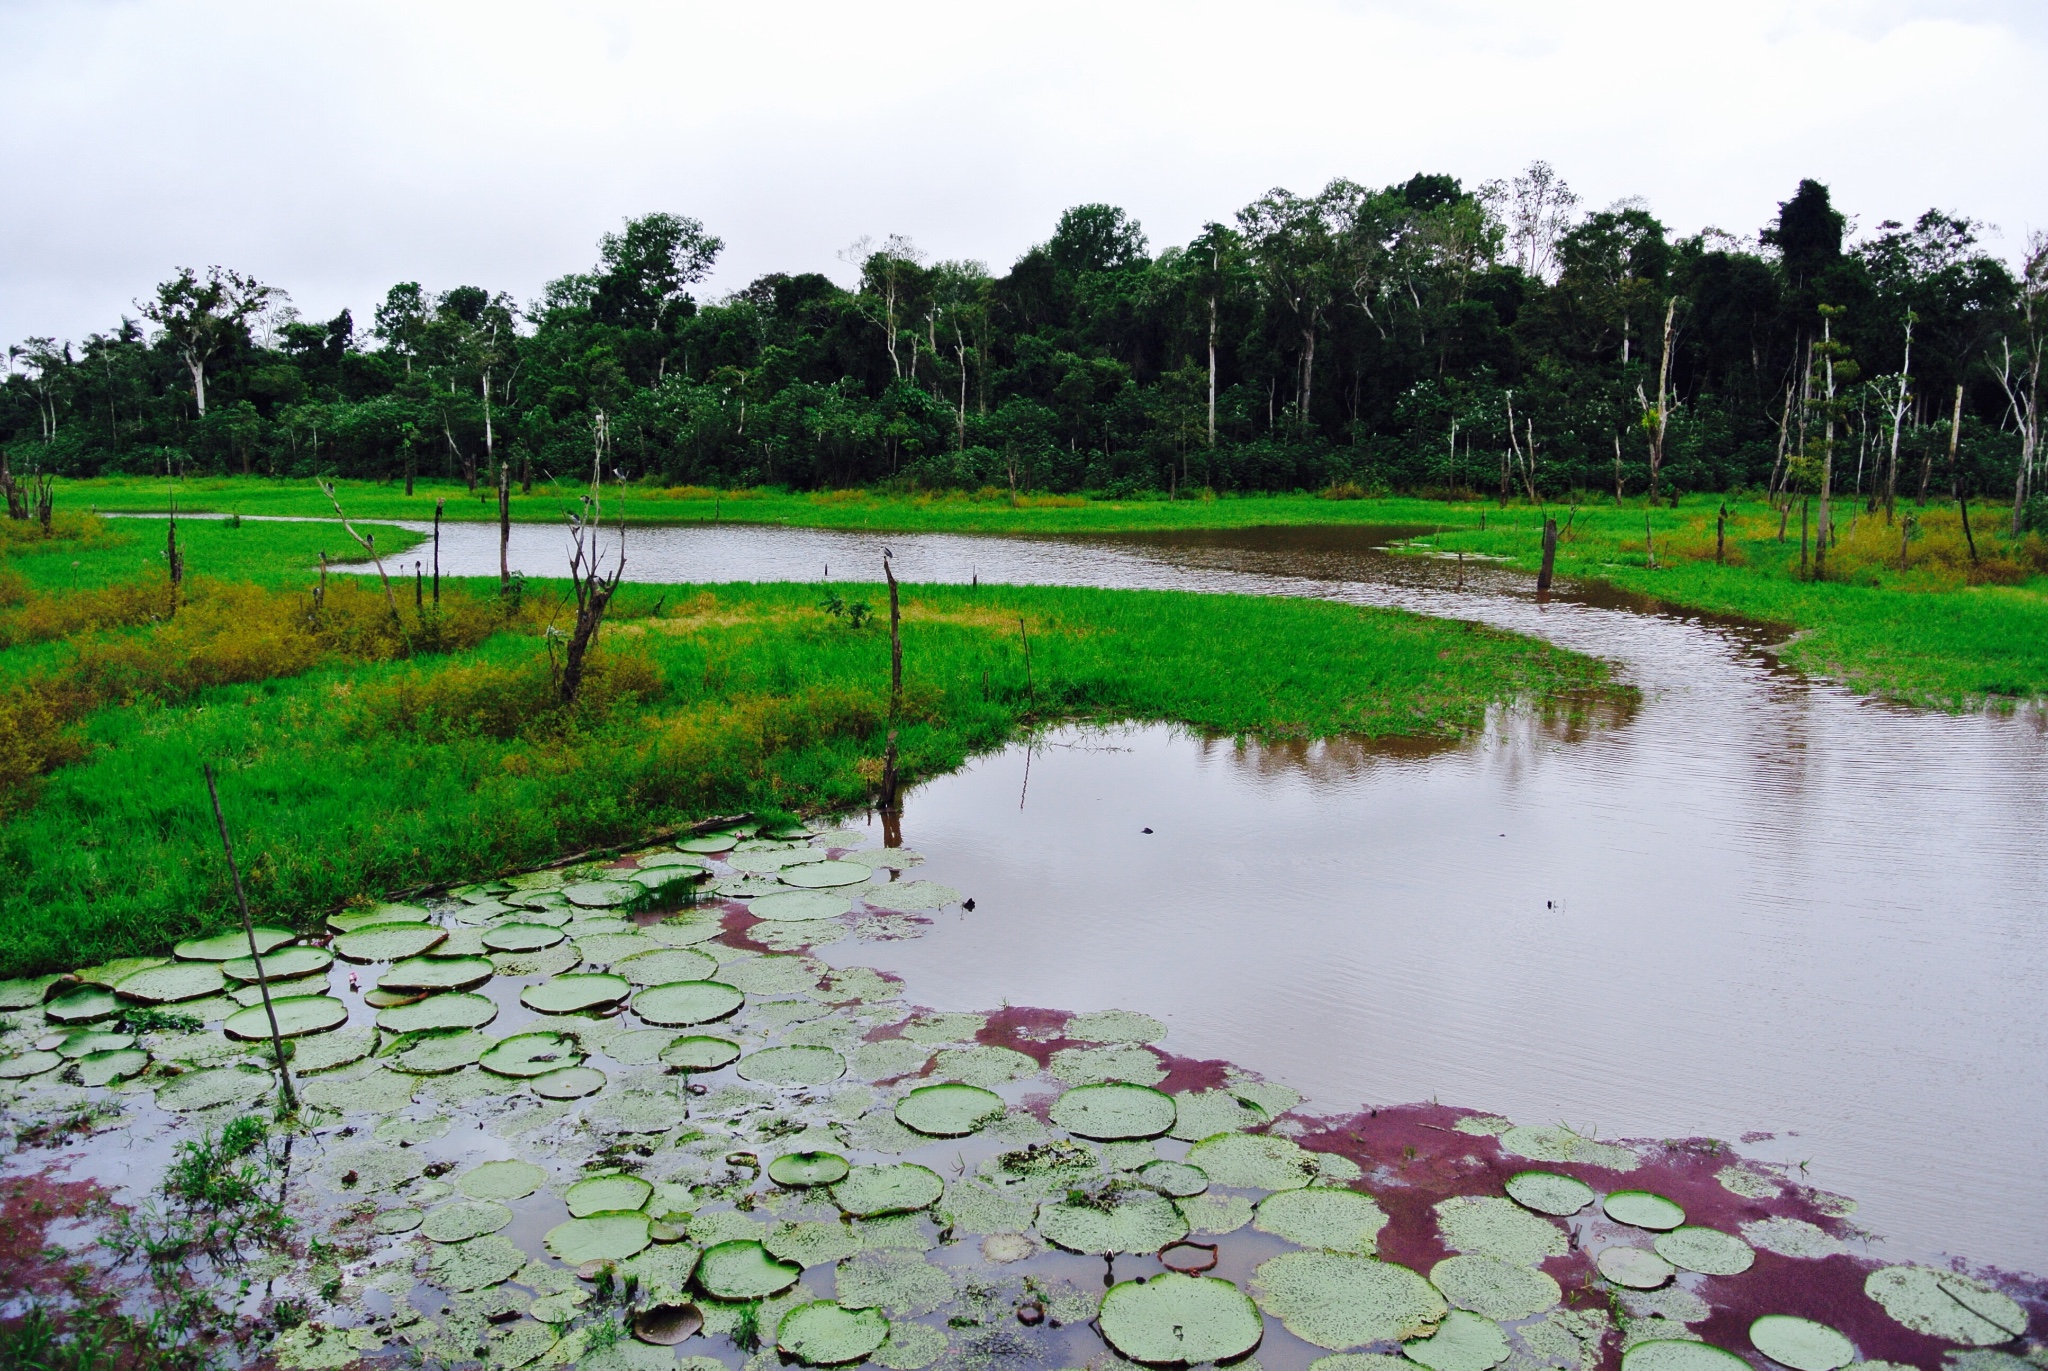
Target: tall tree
204,315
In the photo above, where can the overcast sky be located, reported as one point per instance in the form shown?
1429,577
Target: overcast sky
334,148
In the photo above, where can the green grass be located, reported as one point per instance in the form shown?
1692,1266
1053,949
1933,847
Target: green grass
369,778
268,554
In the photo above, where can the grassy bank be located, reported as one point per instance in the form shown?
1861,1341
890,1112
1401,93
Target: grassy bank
1949,630
363,763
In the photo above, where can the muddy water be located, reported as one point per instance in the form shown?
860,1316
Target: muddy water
1756,904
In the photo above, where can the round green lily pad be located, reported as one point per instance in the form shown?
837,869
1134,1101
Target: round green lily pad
947,1111
530,1054
395,1221
1321,1216
1254,1161
1673,1354
437,973
1634,1267
871,1191
113,1064
573,993
1705,1250
666,965
708,842
1493,1288
349,920
1462,1342
1641,1209
1946,1305
808,1168
599,1237
700,1053
568,1083
453,1010
437,1054
1800,1343
799,906
1493,1227
1546,1192
87,1004
1174,1319
1107,1112
81,1041
472,1265
793,1065
223,947
22,1065
687,1002
281,965
26,993
599,1193
296,1015
388,942
743,1270
765,859
522,937
1174,1178
1143,1222
1341,1302
821,1333
817,875
213,1087
600,894
464,1219
172,983
501,1180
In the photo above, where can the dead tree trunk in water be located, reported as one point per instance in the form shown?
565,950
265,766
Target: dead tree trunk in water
1549,556
594,590
369,544
895,643
437,551
504,525
291,1097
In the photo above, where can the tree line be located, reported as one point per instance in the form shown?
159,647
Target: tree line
1420,336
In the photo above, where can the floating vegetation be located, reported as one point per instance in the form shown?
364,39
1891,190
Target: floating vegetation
454,1010
1546,1192
869,1191
530,1054
1674,1355
1641,1209
1634,1267
172,982
573,994
1341,1302
598,1238
1462,1342
223,947
606,1192
502,1180
1800,1343
793,1065
1251,1161
683,1003
744,1270
1705,1250
1318,1216
1109,1111
427,974
949,1111
808,1168
1493,1288
1130,1221
1488,1227
700,1052
1173,1319
388,942
281,965
1946,1305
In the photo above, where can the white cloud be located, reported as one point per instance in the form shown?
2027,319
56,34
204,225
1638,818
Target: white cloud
336,147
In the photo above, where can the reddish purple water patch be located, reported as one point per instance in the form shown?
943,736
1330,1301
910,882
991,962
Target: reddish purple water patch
28,1206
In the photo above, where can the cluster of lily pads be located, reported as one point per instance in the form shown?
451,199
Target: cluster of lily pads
540,1131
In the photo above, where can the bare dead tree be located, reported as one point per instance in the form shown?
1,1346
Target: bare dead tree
504,527
174,558
593,588
368,543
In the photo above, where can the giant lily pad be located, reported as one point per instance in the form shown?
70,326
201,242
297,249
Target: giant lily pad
947,1111
1546,1192
530,1054
1493,1288
793,1065
472,1265
709,842
1173,1319
212,1088
822,1333
1254,1161
598,1237
501,1180
1205,1113
687,1002
453,1010
1705,1250
743,1270
223,947
812,1243
297,1015
1641,1209
82,1041
574,993
437,1054
1142,1222
1114,1111
808,1168
1174,1178
1946,1305
600,894
666,965
388,942
23,1065
281,965
173,982
700,1053
799,906
26,993
114,1064
1633,1267
901,1282
1319,1216
1498,1228
1800,1343
350,920
522,937
759,861
816,875
87,1004
568,1083
599,1193
1340,1302
1673,1354
464,1219
1462,1342
437,973
870,1191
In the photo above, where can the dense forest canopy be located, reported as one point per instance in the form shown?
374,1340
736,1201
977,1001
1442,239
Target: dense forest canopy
1420,336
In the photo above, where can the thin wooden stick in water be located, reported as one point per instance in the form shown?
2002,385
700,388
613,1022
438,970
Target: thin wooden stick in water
291,1096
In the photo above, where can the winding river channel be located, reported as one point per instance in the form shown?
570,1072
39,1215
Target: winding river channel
1755,907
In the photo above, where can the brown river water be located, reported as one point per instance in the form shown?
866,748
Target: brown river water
1754,907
